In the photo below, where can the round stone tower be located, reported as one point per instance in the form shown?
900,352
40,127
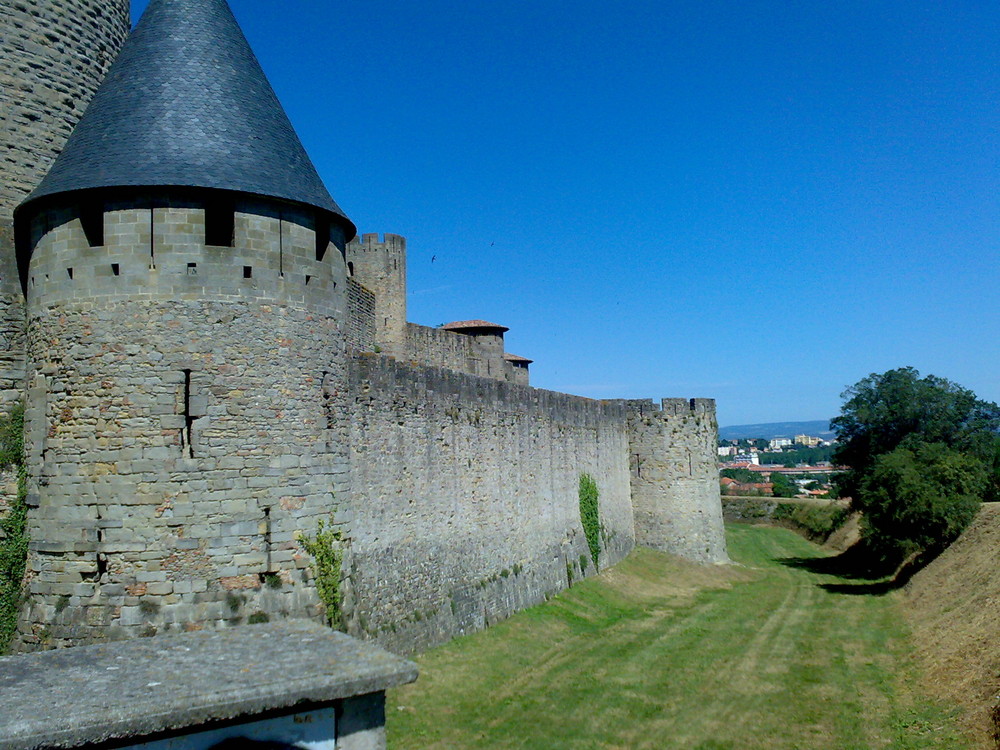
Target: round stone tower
53,56
185,280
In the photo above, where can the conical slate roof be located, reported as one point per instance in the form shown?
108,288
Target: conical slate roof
187,104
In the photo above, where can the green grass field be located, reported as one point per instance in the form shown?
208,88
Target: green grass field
659,653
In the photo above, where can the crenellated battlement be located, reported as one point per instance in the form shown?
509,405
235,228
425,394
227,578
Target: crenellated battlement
370,242
167,246
671,406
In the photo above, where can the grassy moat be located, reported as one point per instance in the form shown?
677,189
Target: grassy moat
659,653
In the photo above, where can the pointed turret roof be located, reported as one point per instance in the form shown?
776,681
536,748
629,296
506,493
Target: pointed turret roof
187,104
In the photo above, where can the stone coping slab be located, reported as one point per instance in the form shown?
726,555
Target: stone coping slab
131,689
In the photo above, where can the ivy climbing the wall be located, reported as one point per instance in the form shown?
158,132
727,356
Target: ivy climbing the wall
327,555
13,526
589,515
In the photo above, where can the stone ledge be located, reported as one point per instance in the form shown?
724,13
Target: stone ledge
132,689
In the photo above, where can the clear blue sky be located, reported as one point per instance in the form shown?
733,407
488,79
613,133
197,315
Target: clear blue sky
758,202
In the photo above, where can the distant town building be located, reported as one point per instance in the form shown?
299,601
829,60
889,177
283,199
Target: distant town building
807,440
778,443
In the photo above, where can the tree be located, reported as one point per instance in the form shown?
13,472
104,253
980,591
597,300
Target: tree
883,411
921,454
920,498
746,476
782,486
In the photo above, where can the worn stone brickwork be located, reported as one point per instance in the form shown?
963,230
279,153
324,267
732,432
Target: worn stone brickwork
434,347
360,317
8,494
379,264
184,420
11,322
53,55
675,477
466,497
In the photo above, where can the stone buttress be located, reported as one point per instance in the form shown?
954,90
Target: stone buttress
185,280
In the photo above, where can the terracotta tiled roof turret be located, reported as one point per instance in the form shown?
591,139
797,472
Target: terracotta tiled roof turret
474,325
517,359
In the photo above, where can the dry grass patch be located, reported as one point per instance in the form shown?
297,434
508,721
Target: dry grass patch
953,606
661,653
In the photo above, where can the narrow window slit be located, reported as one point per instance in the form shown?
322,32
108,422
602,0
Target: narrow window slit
116,269
308,279
192,269
267,538
152,244
186,444
69,272
247,272
281,244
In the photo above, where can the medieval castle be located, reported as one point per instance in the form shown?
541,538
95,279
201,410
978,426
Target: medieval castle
213,363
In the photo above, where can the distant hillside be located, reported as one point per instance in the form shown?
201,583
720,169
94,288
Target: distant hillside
816,428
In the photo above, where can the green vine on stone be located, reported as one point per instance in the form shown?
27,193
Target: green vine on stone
13,527
589,515
327,555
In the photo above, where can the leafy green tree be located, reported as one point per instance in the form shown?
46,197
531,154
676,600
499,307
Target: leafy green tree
782,486
920,497
898,407
742,475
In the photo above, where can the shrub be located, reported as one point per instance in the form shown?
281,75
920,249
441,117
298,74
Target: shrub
590,515
817,521
324,548
13,527
920,497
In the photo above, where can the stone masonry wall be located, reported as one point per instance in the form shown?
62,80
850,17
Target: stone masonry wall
53,55
185,421
675,477
466,497
360,317
434,347
379,265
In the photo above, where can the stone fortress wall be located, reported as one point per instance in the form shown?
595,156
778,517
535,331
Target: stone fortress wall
467,497
435,347
53,56
194,407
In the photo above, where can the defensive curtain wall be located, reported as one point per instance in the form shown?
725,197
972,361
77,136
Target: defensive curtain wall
467,497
